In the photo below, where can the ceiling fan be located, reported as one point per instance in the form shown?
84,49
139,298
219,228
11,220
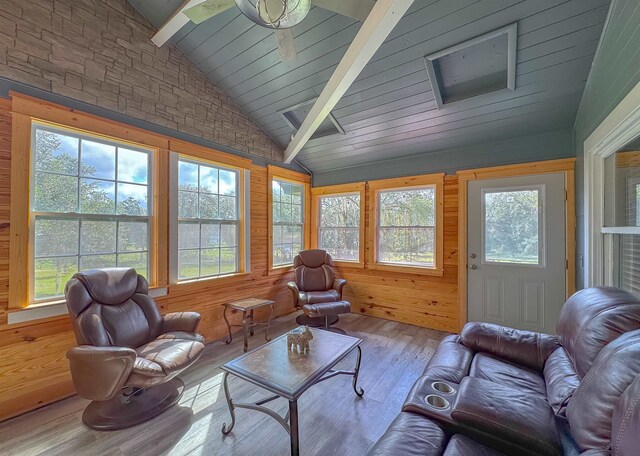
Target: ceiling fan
279,15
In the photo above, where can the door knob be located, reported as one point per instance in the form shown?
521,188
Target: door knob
473,266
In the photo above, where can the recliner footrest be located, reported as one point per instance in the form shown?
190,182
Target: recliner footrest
325,309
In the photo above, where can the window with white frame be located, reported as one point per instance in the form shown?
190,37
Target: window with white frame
621,220
208,220
406,227
90,207
339,226
288,221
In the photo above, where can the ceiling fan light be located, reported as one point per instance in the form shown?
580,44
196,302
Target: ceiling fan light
271,11
275,14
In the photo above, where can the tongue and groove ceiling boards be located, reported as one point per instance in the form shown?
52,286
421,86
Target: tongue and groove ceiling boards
390,110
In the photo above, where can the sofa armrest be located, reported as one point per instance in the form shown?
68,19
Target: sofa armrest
180,321
295,291
527,348
100,372
338,285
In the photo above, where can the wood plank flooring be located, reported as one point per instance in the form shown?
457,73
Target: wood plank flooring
333,421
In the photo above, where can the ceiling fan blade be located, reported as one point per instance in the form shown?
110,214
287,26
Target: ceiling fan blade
200,13
356,9
286,45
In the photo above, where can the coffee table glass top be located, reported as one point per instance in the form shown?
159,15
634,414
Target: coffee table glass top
289,373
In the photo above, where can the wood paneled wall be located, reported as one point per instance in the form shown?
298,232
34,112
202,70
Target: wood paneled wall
422,300
33,368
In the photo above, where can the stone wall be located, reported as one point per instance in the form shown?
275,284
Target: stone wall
100,52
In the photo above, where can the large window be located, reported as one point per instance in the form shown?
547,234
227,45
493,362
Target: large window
406,229
339,226
338,222
208,220
287,211
621,228
90,207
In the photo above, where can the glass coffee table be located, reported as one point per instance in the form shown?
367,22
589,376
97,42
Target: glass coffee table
288,374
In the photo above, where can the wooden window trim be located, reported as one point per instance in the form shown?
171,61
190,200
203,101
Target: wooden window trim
26,111
406,183
275,172
337,190
218,159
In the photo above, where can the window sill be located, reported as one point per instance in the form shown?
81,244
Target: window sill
196,284
40,311
348,264
279,270
406,269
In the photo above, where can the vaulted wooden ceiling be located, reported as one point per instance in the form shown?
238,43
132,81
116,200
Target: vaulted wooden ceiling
390,111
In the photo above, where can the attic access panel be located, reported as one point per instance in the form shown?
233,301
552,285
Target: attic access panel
295,115
481,65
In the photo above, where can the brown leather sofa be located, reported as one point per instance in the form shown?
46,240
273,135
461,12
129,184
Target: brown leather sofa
128,355
494,390
316,290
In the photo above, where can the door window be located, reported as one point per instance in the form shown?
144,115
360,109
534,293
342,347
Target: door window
512,226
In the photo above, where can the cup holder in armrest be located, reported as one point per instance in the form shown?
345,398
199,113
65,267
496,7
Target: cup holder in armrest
437,402
443,388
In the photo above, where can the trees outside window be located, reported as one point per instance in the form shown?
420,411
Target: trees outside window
406,227
339,226
288,221
90,207
208,220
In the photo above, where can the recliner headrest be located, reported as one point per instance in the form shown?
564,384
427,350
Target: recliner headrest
592,318
313,258
111,285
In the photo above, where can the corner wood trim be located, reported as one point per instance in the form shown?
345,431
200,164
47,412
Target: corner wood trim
566,166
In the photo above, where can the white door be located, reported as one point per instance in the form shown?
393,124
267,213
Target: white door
516,251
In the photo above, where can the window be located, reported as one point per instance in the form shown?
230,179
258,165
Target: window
90,207
621,228
209,216
339,227
513,226
338,215
288,206
406,230
288,221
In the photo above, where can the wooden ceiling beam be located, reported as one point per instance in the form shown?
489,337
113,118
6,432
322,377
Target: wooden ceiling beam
383,18
175,23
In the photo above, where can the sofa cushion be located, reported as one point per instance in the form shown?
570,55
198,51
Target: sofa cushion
508,374
626,421
561,380
590,412
592,318
170,353
508,414
451,360
525,348
410,435
460,445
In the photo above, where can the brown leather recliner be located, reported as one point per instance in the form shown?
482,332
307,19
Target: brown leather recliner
518,392
128,355
316,290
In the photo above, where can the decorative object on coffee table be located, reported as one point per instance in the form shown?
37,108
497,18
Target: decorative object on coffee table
299,338
247,307
274,368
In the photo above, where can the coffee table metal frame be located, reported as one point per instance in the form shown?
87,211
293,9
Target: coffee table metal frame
247,323
290,421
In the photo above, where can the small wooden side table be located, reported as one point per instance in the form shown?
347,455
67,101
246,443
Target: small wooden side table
247,306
